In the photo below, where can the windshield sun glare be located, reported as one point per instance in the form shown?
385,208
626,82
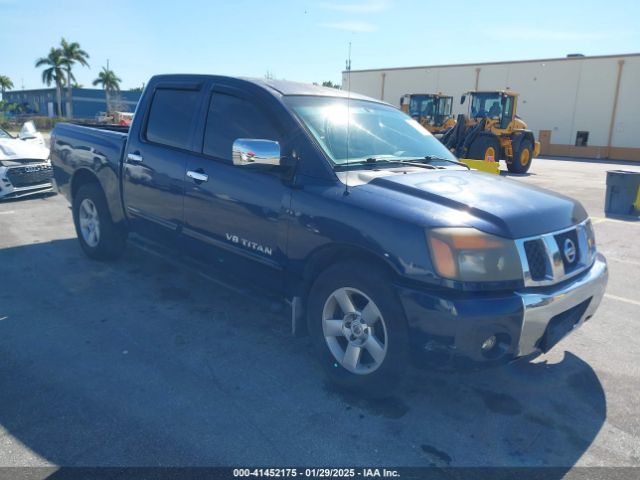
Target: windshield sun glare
362,129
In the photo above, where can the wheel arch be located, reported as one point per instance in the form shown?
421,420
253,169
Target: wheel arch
83,176
321,259
521,135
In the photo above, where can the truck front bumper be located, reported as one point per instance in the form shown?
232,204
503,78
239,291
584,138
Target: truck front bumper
502,326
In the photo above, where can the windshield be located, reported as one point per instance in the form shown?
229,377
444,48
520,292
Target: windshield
492,105
444,110
4,134
375,130
422,106
486,105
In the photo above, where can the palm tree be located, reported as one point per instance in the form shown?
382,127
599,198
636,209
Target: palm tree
110,82
57,65
5,84
72,54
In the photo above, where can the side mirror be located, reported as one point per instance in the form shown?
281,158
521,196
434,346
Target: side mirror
247,151
503,101
462,99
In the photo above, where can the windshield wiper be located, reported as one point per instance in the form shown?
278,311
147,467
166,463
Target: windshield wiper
369,161
423,162
430,158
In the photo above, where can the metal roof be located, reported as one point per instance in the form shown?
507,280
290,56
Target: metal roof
480,64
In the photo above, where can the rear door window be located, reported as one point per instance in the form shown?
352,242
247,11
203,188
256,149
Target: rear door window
172,116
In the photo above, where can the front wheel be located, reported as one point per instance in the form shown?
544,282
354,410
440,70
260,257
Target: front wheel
99,236
358,329
522,159
485,148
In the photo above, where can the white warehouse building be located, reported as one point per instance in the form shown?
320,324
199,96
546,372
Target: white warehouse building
560,98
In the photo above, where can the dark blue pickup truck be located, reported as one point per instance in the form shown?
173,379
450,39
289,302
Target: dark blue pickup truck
380,241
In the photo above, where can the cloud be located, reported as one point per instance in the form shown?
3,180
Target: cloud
538,34
357,26
369,6
361,8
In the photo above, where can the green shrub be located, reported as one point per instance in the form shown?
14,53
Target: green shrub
42,123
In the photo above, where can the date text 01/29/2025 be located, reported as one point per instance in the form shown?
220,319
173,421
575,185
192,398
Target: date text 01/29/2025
316,472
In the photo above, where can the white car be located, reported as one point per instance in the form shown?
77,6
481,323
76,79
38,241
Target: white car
25,168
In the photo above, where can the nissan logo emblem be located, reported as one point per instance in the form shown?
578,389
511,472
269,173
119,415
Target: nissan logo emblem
569,250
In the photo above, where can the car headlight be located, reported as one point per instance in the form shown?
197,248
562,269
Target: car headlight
469,255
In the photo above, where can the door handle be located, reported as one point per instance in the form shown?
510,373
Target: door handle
199,177
134,157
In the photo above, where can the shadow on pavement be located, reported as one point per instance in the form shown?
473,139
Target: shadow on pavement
138,363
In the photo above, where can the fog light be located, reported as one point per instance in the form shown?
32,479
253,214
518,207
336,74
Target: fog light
489,343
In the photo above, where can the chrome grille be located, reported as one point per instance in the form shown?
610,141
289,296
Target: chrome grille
536,258
557,256
29,175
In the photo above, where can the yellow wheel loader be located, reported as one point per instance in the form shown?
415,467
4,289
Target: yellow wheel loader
431,110
492,131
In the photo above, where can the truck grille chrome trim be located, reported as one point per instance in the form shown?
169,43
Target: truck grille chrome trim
536,255
555,257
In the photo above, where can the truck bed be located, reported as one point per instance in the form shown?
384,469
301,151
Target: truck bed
99,149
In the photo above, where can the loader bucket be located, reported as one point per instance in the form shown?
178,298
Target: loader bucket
482,165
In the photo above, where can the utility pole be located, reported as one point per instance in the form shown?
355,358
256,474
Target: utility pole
348,68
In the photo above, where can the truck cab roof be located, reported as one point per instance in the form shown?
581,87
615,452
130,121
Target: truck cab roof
277,88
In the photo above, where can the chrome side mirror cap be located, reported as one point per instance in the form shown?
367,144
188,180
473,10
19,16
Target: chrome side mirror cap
247,151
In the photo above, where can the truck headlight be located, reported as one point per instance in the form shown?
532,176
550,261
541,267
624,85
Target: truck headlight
469,255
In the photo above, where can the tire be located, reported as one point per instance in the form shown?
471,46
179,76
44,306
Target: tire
99,237
484,147
522,158
376,323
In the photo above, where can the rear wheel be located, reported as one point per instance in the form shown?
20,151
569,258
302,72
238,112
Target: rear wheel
484,148
522,158
99,237
358,329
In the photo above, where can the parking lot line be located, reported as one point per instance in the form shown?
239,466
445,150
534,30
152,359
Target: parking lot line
622,299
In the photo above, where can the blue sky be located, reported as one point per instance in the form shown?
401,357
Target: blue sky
304,40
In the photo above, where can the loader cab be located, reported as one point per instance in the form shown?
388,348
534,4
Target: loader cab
498,107
428,109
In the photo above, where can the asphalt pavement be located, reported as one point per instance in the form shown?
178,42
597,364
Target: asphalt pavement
142,362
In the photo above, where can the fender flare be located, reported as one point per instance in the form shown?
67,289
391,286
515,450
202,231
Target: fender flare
86,175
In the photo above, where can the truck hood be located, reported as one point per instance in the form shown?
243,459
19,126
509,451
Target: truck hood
488,202
14,149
